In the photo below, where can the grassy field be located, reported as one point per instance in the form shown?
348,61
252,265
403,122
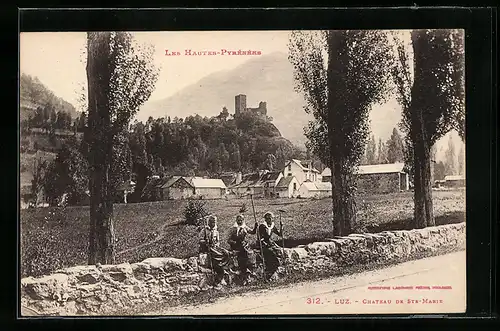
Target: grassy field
53,238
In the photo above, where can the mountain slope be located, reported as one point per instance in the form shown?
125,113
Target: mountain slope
268,78
33,93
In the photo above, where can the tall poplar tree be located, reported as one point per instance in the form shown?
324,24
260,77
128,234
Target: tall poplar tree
121,77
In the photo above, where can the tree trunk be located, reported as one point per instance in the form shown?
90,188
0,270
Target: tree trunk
336,200
427,186
419,217
101,232
344,208
101,248
423,211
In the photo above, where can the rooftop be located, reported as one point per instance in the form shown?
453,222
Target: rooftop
299,163
271,176
318,186
323,186
374,169
381,168
199,182
326,172
170,181
285,181
247,180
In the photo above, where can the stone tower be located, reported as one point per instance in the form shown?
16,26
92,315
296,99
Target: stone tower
240,103
263,108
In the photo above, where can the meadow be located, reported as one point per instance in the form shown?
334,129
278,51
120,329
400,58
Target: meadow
53,238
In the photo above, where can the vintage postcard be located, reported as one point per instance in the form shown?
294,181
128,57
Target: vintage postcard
242,172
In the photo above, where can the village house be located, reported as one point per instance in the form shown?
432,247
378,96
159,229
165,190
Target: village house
208,188
283,183
152,191
301,171
326,175
315,190
177,188
230,178
454,181
382,178
379,178
250,184
269,181
180,187
287,187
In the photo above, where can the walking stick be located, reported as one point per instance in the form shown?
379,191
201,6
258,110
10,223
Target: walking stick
281,211
258,238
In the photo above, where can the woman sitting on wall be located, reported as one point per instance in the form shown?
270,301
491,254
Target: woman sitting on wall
271,251
210,243
237,242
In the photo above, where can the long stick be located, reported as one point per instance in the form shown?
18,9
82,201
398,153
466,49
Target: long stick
283,245
258,238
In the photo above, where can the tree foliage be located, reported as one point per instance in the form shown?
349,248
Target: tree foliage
371,151
67,175
307,53
39,179
122,160
382,152
395,150
205,144
430,89
451,157
461,161
439,171
341,75
121,76
436,93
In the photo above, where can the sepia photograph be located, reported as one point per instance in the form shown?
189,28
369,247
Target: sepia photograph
273,172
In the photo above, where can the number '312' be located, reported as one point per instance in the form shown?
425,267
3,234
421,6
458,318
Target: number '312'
313,301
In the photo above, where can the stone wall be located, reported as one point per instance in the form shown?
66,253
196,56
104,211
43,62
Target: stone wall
101,290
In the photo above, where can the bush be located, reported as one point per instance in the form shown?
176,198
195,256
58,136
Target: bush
243,208
195,211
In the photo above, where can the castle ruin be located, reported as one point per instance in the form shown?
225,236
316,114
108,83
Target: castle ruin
240,106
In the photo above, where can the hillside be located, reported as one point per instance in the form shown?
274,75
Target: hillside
267,78
33,93
36,143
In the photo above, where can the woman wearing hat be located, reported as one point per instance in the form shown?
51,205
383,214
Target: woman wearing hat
237,242
210,242
270,249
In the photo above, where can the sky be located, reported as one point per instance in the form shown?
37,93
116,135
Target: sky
58,60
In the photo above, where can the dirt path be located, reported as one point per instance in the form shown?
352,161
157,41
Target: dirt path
351,294
161,235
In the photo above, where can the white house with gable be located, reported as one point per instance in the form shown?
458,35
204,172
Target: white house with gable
301,171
